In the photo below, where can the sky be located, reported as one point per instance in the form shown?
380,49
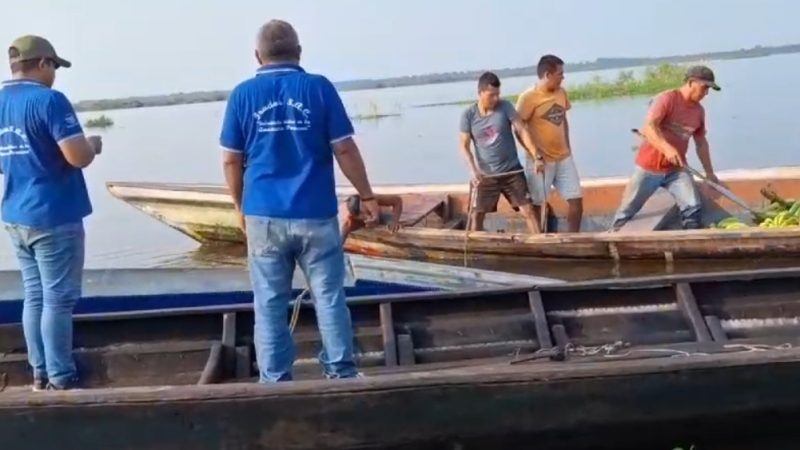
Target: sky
122,48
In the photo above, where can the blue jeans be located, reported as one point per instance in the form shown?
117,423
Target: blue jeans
51,262
643,185
275,246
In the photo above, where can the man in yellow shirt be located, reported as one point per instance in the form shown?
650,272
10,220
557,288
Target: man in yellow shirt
543,108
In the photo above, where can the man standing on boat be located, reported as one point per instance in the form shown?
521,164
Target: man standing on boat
495,166
42,152
543,109
289,126
674,117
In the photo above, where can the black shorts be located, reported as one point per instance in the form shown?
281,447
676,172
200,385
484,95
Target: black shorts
513,187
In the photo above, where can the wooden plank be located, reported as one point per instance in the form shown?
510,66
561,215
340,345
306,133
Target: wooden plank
659,210
244,362
228,341
454,224
415,211
715,326
560,336
389,338
213,371
688,305
540,319
405,349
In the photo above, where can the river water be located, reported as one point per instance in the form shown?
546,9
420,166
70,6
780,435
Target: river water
751,124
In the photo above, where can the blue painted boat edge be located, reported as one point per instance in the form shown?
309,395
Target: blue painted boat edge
11,310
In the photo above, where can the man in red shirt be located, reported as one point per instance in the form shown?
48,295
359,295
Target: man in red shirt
674,117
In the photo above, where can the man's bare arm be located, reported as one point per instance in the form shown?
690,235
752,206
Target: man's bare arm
704,155
566,133
233,167
525,137
350,162
78,151
466,150
652,132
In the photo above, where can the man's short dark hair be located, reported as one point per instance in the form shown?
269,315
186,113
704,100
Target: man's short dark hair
278,41
488,79
353,203
548,64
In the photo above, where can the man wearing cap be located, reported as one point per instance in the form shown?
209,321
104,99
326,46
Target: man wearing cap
289,126
42,152
674,117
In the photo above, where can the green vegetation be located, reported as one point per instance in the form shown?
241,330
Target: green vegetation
374,113
654,80
99,122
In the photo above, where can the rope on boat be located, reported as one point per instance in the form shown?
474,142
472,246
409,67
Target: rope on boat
612,350
296,310
473,196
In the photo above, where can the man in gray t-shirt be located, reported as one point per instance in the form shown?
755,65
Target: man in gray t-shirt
495,167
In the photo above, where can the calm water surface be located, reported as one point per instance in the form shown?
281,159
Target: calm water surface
751,124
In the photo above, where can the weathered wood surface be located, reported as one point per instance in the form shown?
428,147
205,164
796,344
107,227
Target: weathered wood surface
382,411
194,211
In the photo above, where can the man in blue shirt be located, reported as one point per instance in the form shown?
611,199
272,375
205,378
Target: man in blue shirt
281,133
42,152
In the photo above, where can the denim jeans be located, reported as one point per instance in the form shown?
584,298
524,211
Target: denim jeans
643,185
51,262
275,247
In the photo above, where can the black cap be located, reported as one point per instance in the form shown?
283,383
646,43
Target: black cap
702,74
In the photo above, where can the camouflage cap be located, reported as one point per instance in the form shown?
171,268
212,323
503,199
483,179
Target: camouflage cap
31,47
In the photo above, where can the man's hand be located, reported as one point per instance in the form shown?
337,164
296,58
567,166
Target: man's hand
394,226
477,177
538,166
241,221
673,156
371,209
712,177
96,143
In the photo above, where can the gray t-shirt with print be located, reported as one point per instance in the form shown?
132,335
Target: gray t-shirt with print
495,147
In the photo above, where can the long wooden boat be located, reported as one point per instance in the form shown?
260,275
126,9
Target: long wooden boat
434,219
567,365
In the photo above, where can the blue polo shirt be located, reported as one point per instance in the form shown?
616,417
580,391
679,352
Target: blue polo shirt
285,121
41,189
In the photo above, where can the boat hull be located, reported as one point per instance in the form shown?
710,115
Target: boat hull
206,214
478,367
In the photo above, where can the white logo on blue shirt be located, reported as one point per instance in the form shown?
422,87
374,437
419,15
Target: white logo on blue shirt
17,145
287,123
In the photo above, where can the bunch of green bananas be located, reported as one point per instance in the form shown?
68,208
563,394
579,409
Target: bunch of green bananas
779,214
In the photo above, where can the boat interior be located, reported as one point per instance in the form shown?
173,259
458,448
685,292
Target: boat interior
422,331
448,210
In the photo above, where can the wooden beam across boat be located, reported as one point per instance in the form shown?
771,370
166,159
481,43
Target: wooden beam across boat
436,217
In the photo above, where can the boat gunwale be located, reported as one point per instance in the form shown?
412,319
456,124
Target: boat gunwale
486,375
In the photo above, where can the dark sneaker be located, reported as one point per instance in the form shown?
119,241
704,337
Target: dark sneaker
69,386
39,385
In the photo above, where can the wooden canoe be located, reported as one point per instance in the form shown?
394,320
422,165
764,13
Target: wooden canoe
434,222
569,364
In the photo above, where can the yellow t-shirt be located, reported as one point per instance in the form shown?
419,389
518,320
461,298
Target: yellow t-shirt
545,114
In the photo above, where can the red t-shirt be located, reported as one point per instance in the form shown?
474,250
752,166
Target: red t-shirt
679,120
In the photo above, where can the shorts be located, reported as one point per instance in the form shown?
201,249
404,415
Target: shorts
561,175
513,188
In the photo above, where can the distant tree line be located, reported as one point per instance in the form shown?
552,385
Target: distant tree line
435,78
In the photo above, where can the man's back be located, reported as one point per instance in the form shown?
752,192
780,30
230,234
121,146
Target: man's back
41,189
284,122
